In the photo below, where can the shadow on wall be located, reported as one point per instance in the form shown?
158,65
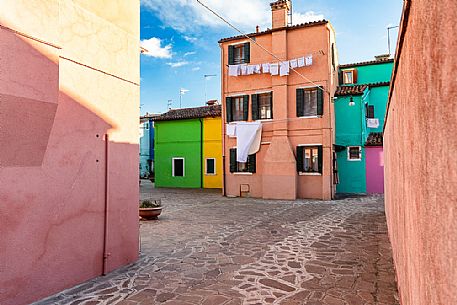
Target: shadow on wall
53,180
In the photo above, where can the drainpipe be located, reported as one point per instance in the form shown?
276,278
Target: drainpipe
201,153
105,229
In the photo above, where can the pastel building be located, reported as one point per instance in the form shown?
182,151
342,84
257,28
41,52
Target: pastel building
69,100
296,154
420,154
146,130
360,107
188,148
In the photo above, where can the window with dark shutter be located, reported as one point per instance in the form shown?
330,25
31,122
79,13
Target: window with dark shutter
239,107
245,107
252,166
262,106
233,163
320,101
242,167
333,57
310,102
300,102
231,55
309,159
228,109
247,52
300,165
370,111
239,54
255,106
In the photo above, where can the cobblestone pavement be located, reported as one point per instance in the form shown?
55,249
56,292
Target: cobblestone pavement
210,250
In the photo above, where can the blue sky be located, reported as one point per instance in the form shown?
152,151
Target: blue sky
182,40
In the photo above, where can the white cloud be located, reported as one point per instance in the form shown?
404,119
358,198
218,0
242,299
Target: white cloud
196,69
177,64
310,16
154,48
185,15
190,39
189,53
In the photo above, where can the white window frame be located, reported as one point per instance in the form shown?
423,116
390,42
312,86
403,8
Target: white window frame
206,167
344,78
349,154
173,166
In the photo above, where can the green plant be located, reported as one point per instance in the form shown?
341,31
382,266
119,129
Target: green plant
145,204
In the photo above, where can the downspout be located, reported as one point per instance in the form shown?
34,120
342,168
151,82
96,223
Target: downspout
223,116
105,228
201,153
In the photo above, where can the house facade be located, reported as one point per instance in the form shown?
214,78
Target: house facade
360,107
295,159
69,134
188,148
146,130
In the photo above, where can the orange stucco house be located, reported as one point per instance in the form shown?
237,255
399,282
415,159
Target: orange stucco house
296,154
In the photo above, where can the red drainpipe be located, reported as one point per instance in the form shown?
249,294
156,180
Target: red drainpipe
105,229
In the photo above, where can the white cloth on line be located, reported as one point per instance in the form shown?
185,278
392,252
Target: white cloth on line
266,68
372,123
258,69
245,135
255,146
250,70
301,62
309,60
284,68
231,130
243,69
234,70
294,63
274,69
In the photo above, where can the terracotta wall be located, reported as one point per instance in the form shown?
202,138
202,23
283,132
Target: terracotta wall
420,155
69,75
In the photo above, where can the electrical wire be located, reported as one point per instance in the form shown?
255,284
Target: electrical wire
255,42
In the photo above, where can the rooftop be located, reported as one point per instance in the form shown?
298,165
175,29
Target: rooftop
366,63
190,113
294,27
357,89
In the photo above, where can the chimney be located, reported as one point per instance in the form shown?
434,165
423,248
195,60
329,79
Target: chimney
257,29
211,102
280,13
382,57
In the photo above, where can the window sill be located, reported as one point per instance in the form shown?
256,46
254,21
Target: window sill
210,174
309,174
264,120
242,174
310,117
354,160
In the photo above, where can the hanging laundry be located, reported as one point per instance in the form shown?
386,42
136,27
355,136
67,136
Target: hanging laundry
231,130
274,69
250,70
244,69
284,68
301,62
234,70
309,60
372,123
258,69
255,146
294,63
245,135
266,68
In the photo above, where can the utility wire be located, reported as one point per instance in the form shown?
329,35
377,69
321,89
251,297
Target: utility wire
255,42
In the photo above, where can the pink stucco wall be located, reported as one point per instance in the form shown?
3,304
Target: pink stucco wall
56,167
276,176
420,155
374,170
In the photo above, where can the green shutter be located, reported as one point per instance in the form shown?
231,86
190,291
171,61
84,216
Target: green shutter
233,164
300,165
228,109
255,106
271,103
252,163
247,52
319,158
340,78
320,101
300,102
245,107
231,55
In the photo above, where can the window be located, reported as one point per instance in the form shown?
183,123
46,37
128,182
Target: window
237,108
349,76
369,111
242,167
178,167
262,106
210,166
309,159
239,54
310,102
333,57
354,153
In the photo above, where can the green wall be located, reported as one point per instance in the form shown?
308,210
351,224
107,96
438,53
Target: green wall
182,139
374,73
378,97
351,173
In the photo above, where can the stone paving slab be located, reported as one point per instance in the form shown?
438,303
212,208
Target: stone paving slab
209,250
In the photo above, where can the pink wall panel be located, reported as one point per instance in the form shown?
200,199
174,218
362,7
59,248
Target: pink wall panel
375,170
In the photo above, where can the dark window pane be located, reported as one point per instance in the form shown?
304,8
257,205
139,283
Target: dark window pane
354,153
237,109
239,54
310,102
178,167
265,106
311,160
210,166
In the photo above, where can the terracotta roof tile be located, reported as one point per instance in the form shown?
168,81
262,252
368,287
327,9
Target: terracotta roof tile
298,26
374,139
350,90
190,113
365,63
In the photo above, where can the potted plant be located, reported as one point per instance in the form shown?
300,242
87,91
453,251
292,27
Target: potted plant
150,209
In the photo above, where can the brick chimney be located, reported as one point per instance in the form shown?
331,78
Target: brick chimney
280,10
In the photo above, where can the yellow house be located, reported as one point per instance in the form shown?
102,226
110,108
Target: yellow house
212,153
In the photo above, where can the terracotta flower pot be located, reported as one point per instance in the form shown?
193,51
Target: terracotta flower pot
150,213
